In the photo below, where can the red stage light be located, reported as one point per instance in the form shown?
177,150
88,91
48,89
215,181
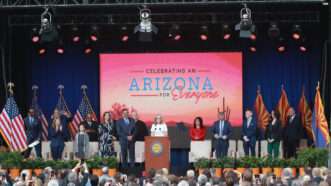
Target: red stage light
88,50
125,38
281,49
41,51
203,37
227,36
177,37
60,50
35,39
76,39
296,36
93,37
252,37
252,49
303,48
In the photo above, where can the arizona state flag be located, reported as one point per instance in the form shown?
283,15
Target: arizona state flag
306,115
320,124
261,111
283,107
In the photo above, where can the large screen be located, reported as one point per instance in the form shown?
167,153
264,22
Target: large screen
179,86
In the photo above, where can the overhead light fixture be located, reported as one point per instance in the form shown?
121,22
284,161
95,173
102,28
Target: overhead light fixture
252,48
145,29
226,32
47,31
35,35
75,36
88,48
175,33
245,26
281,45
124,34
303,45
60,47
94,33
204,33
273,31
296,32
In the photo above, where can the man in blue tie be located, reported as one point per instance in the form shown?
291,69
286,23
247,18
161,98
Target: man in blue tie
125,130
249,131
33,132
222,131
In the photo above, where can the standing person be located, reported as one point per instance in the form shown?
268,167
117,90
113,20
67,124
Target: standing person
91,127
249,131
33,132
198,132
292,134
107,134
273,134
125,128
64,118
222,131
140,129
82,142
57,137
159,128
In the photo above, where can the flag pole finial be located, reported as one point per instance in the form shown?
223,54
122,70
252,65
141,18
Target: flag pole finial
258,89
83,88
35,87
282,86
60,88
318,85
10,86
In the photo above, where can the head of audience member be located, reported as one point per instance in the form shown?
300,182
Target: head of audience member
158,119
81,128
248,175
221,116
125,113
316,172
202,179
107,117
94,180
230,179
198,123
275,115
291,112
190,174
287,174
248,114
183,183
135,115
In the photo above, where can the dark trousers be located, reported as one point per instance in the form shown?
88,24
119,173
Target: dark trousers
249,147
125,147
37,149
290,148
222,147
56,151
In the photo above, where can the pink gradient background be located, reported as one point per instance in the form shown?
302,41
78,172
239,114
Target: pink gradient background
225,73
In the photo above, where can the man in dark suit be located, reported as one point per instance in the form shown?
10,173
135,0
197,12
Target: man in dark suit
140,129
33,131
222,132
249,130
291,134
91,127
125,130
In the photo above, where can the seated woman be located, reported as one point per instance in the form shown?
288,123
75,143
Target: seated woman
198,132
159,128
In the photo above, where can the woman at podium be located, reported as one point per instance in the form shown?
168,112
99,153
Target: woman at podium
159,128
198,132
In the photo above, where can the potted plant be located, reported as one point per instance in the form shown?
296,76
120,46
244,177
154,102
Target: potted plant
38,166
112,164
266,165
294,164
241,165
95,164
217,164
201,164
13,162
278,165
228,163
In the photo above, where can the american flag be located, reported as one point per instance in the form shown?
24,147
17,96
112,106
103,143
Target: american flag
40,115
12,126
83,109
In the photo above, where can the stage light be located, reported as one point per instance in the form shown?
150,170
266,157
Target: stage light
253,36
145,29
124,34
75,37
175,32
296,32
94,34
41,51
88,48
252,48
226,32
204,33
35,35
273,31
245,26
303,46
281,47
59,47
48,32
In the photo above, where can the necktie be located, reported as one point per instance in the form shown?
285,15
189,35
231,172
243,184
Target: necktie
126,121
222,125
248,121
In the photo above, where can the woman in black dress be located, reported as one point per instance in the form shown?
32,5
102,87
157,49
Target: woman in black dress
107,136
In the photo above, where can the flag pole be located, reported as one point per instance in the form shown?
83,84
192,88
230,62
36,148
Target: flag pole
11,93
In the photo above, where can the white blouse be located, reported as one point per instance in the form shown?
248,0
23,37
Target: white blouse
159,130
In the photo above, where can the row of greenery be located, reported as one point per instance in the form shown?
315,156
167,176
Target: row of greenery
307,157
16,160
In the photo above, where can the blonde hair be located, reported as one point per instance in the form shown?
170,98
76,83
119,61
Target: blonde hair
156,117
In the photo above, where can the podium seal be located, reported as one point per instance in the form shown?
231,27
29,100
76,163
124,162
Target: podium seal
156,148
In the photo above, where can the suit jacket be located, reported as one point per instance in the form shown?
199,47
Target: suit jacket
32,129
292,130
250,131
124,130
274,131
226,128
91,130
65,131
140,131
57,137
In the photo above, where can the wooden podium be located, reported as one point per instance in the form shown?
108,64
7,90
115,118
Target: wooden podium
157,152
